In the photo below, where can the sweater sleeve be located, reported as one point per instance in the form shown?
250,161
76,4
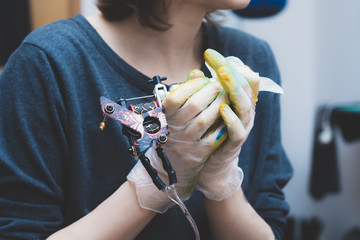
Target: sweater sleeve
276,169
270,202
33,147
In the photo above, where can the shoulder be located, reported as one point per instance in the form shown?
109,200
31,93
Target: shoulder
60,36
48,55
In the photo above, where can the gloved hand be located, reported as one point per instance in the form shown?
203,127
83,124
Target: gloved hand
221,177
190,110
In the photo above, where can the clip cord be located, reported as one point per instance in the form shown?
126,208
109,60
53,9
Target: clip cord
171,193
170,189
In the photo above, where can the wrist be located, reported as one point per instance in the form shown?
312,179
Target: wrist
148,195
221,185
235,218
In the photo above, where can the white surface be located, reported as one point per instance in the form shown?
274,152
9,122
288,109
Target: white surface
88,7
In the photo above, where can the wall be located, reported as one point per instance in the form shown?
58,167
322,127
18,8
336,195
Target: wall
88,7
337,44
44,11
316,46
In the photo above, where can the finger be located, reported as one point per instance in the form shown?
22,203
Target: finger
255,86
214,59
202,123
176,98
243,105
195,74
252,77
235,128
195,104
244,75
229,135
216,137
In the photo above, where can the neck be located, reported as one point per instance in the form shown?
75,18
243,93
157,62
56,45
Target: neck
172,53
182,38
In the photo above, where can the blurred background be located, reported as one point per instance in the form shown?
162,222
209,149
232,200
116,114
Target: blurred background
316,44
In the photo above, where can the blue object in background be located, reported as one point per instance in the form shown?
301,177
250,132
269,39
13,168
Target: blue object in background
261,8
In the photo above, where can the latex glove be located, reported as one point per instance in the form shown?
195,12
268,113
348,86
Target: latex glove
221,177
190,110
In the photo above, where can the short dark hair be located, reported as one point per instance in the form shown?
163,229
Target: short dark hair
152,13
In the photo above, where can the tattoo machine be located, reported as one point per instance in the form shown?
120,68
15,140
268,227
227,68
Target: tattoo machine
145,124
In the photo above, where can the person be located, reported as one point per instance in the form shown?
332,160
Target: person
63,178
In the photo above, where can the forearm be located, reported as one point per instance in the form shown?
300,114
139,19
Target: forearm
234,218
118,217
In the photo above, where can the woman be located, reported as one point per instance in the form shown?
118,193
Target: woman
61,177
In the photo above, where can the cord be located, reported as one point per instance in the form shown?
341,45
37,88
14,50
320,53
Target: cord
173,196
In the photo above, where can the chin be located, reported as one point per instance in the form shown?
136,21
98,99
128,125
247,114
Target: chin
237,4
210,5
225,4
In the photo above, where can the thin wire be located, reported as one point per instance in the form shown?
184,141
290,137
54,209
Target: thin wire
171,190
136,98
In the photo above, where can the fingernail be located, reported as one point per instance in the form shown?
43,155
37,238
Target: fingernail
224,109
196,73
255,85
221,134
214,59
192,83
225,78
223,73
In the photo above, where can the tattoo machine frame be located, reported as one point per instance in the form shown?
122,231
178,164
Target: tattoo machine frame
144,124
